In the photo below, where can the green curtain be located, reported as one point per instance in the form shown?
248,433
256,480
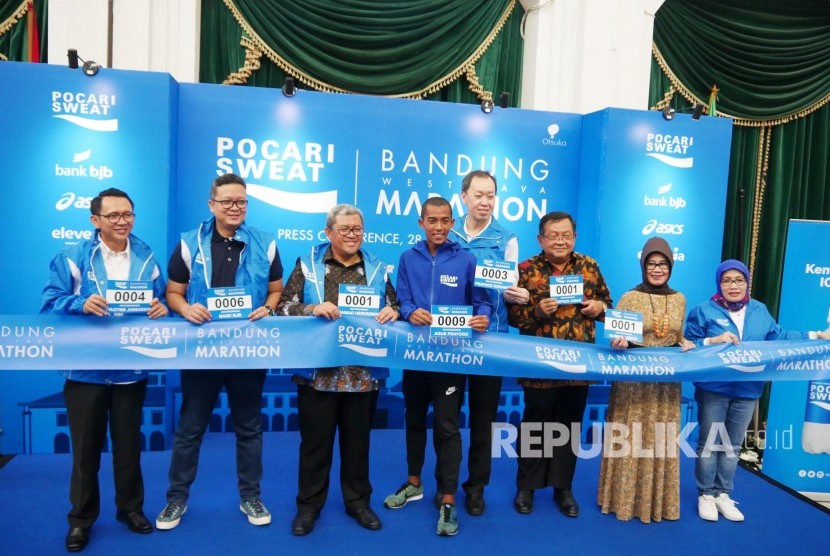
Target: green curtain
457,50
771,63
13,32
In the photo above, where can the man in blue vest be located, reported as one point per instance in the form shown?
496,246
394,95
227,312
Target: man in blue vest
79,278
222,252
479,233
337,399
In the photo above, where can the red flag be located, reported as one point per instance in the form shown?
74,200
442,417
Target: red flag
32,35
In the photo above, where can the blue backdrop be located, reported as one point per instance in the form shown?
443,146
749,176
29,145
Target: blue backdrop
164,143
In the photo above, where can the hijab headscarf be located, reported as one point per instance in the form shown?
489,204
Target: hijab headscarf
655,245
730,264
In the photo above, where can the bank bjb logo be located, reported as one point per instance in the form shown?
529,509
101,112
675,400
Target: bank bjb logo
150,341
362,339
567,360
279,162
80,168
673,150
88,110
552,139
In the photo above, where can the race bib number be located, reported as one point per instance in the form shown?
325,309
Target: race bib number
358,301
624,324
567,289
494,274
451,321
229,303
125,297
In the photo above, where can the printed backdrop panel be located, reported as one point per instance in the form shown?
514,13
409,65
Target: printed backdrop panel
798,426
302,155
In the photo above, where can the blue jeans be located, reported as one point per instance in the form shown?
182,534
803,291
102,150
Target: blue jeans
200,390
716,463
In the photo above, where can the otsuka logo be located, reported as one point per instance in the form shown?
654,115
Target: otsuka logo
670,149
274,161
551,139
88,110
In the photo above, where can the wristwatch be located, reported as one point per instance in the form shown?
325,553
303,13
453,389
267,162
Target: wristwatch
269,309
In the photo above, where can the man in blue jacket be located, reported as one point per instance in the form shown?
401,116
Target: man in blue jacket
337,399
480,234
436,271
78,283
222,252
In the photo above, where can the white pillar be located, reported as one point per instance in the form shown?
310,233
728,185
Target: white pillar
584,55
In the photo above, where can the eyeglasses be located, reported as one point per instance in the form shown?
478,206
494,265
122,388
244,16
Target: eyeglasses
346,232
114,217
661,266
736,281
227,204
557,237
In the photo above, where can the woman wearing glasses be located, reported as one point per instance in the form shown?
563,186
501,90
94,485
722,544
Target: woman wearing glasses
727,407
641,476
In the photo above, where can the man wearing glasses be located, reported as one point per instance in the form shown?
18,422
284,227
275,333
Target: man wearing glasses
79,278
479,233
555,401
339,398
222,252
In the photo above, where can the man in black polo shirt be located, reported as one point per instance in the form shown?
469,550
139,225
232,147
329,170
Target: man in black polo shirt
221,252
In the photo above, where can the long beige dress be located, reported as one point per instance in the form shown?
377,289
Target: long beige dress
636,485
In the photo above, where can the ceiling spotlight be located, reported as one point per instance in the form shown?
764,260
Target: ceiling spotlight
504,99
487,105
697,110
668,113
289,88
90,67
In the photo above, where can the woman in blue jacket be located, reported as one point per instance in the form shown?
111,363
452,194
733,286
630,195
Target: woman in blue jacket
727,407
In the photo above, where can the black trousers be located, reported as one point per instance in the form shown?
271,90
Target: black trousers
89,408
483,394
445,391
564,405
321,414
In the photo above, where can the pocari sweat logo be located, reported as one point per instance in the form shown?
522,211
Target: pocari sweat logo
88,110
743,360
567,360
149,341
551,139
270,160
669,149
449,280
362,339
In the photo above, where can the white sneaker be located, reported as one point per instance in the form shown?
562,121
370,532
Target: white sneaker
726,506
706,508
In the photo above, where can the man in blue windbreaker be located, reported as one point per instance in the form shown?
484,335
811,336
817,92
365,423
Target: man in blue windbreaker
436,271
80,276
480,234
222,252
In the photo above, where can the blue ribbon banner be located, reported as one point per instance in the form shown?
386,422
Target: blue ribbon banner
44,342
